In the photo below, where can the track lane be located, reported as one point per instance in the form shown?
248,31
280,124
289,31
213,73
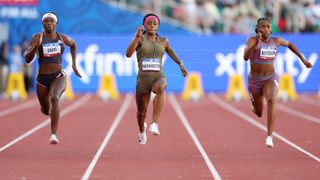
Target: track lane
16,106
302,132
80,134
172,155
22,120
238,148
235,147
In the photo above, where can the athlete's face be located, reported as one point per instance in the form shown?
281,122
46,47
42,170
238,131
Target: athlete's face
264,28
49,24
152,26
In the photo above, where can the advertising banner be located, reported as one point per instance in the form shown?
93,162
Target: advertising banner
215,57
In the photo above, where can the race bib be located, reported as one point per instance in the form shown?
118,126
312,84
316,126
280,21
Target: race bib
267,53
151,64
51,49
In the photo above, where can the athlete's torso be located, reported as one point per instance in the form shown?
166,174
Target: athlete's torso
265,53
150,55
50,50
262,59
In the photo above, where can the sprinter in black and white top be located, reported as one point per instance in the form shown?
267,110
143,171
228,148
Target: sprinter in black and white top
51,80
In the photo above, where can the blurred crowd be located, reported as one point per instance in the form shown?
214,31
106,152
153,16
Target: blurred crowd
236,16
12,61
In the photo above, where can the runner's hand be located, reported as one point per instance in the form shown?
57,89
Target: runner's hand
307,64
139,31
258,36
183,70
75,70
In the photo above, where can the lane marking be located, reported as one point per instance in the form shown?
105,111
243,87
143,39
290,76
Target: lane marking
195,139
75,105
113,127
19,107
298,113
309,101
217,100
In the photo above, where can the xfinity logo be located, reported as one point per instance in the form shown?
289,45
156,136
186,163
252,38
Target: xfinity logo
233,63
93,62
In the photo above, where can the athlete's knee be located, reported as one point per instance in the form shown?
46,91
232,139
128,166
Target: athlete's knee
271,101
45,111
256,111
259,113
159,89
54,99
141,115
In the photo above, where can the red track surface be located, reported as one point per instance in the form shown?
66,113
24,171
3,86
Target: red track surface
234,147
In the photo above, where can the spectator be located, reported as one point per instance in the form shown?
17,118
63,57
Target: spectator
16,60
28,68
4,69
208,15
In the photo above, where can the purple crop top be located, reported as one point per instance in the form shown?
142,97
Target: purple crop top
265,53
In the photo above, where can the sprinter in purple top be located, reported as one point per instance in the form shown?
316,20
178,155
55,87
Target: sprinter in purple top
262,81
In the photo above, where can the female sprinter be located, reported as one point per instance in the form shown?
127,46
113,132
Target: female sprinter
51,80
262,80
150,48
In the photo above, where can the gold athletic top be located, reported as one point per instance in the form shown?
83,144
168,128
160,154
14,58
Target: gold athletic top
150,55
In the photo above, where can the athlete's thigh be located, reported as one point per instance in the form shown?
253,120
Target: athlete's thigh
270,89
257,101
43,96
159,85
142,100
58,86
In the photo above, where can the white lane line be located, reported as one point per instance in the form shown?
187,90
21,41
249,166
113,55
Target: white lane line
75,105
309,101
17,108
298,114
247,118
195,139
113,127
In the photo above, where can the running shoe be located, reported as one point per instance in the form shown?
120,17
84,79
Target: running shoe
154,129
53,139
269,142
142,137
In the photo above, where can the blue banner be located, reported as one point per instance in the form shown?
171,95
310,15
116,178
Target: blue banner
215,57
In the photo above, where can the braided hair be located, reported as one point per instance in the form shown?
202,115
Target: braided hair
260,20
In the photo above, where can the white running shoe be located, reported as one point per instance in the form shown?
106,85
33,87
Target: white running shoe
154,130
269,142
142,137
53,139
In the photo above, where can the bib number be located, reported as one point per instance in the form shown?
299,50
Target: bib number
268,53
51,50
151,64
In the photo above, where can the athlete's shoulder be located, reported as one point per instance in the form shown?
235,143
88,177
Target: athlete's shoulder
163,39
251,39
66,38
62,35
277,39
37,35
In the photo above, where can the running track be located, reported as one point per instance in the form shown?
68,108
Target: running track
210,139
